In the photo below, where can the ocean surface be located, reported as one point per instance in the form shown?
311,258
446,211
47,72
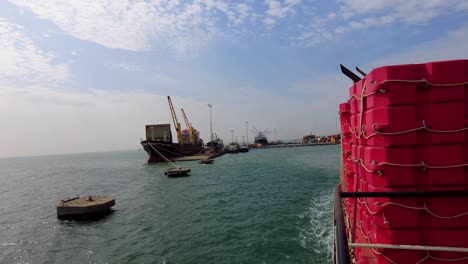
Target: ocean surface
264,206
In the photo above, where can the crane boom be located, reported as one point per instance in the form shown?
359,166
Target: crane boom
189,127
174,119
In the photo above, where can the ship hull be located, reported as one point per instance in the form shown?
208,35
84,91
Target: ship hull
169,150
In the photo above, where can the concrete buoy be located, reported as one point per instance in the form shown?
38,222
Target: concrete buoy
84,207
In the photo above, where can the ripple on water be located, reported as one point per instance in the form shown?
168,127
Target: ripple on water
265,206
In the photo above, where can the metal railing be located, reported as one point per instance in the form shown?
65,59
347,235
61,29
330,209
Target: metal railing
341,244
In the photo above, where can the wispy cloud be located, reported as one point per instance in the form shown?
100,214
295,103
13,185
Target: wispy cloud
184,27
278,9
23,63
355,15
126,67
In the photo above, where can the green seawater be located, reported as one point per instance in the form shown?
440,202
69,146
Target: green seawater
264,206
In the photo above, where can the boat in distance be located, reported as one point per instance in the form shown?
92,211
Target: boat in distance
159,137
159,143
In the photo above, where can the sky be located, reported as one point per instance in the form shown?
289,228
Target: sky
86,76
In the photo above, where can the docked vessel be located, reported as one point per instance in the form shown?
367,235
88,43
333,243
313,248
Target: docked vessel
159,137
260,138
244,148
403,192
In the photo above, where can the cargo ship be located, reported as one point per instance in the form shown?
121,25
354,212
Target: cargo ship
403,191
159,139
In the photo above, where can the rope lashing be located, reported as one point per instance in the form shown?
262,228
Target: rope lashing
372,246
161,155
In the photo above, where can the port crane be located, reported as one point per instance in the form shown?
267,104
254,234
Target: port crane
190,128
176,122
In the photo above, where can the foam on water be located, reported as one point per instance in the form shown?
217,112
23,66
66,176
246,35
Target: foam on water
317,235
265,206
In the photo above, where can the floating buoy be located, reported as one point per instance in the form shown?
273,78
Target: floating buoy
84,207
177,172
206,161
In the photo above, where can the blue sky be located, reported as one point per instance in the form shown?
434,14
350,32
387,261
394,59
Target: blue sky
79,76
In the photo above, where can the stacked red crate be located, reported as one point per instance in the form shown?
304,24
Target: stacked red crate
408,132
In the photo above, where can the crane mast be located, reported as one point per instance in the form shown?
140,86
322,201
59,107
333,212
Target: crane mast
189,127
176,122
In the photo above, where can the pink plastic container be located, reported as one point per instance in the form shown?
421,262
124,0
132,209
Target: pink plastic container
390,120
441,117
394,174
443,72
440,156
386,212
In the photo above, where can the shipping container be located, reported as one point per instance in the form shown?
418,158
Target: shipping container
159,132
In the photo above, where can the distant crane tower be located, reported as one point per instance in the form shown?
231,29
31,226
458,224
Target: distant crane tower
176,122
232,135
190,128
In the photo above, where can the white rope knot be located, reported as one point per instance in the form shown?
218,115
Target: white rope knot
382,90
374,128
426,83
424,124
385,221
372,162
424,166
380,173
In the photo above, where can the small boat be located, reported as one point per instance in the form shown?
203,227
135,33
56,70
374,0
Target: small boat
177,172
84,207
206,161
244,149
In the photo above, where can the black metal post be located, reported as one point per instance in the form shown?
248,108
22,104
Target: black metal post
341,241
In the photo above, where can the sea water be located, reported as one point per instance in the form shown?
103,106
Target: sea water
264,206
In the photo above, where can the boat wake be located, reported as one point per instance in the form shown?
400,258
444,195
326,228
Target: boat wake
316,227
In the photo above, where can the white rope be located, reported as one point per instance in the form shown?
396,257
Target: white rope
409,247
420,164
428,255
170,151
162,156
424,208
426,82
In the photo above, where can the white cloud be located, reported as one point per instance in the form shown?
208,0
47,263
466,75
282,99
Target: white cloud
355,15
124,66
23,63
132,25
96,120
278,9
449,47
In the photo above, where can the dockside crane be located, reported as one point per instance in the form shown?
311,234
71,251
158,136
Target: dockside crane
190,128
176,122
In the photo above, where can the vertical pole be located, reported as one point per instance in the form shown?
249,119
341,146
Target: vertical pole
232,136
247,132
211,125
336,126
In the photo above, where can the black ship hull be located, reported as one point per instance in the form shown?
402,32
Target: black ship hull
169,150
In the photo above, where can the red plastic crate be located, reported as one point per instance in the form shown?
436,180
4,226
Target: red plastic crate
443,117
384,175
446,238
391,120
387,93
453,211
440,156
442,72
390,212
380,235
